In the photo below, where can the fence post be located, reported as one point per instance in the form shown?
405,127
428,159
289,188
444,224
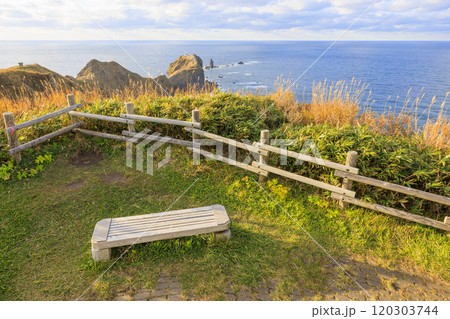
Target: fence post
196,139
13,139
346,183
130,110
196,119
447,221
71,101
264,139
74,118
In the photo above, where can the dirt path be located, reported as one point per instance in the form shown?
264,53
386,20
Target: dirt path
374,283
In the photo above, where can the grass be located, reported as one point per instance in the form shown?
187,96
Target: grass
46,230
45,227
340,104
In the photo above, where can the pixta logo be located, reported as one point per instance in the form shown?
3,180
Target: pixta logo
143,141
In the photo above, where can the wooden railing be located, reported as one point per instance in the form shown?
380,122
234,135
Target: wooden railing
349,172
12,129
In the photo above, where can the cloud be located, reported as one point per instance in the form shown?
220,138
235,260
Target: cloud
233,16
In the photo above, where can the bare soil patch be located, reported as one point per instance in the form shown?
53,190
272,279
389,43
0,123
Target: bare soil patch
113,178
86,159
74,185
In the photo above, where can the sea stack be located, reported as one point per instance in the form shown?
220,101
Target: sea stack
186,71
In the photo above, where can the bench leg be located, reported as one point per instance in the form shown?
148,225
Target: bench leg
101,254
226,234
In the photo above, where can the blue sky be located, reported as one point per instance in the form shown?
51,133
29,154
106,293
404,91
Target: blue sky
224,20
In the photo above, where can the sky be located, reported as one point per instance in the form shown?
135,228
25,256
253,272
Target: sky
309,20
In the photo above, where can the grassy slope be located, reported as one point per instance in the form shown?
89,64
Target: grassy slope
46,229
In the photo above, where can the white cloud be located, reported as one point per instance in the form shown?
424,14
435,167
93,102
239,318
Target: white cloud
196,18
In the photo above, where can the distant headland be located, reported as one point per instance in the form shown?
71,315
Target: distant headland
186,71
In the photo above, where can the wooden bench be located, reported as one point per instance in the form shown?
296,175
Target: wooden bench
115,232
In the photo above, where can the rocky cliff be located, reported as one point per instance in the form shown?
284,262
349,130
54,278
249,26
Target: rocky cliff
107,75
31,78
185,71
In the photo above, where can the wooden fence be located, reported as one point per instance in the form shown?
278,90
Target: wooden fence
348,171
12,130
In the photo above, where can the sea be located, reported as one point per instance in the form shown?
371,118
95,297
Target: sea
394,72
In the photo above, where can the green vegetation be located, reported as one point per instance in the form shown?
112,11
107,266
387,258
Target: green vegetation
48,208
47,224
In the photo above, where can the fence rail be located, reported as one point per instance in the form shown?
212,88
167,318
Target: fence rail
228,141
394,187
40,119
305,180
349,171
101,134
44,138
230,162
160,120
307,158
393,212
102,117
139,136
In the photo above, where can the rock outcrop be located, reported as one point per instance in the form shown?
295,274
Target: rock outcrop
27,79
186,71
107,75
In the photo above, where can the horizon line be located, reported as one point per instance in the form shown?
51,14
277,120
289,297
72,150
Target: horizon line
237,40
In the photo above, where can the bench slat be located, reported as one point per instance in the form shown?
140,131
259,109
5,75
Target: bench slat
160,235
151,230
101,230
129,230
171,224
158,219
159,224
173,212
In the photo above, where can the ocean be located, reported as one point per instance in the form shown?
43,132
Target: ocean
390,69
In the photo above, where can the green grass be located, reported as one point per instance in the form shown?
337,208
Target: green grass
45,231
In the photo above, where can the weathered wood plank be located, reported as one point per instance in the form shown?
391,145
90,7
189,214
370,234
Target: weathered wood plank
101,230
264,139
307,158
44,138
42,118
232,162
172,225
13,139
155,215
162,234
160,120
393,212
101,134
347,183
229,141
159,219
220,214
102,117
195,119
394,187
305,180
129,107
156,138
168,229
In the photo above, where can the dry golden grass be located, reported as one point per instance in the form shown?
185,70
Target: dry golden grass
436,133
55,96
284,98
336,103
339,104
332,103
